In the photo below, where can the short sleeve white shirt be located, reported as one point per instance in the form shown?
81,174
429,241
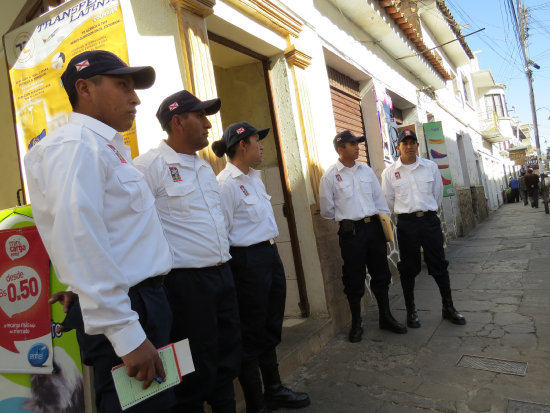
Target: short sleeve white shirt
246,206
351,193
187,197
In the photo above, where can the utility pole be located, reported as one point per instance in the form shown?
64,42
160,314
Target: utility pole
521,22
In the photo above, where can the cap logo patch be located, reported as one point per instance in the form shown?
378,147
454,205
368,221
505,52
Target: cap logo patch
175,174
339,178
117,153
173,106
397,175
240,130
82,65
245,192
338,139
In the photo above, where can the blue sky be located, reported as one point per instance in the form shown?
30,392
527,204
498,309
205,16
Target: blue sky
501,53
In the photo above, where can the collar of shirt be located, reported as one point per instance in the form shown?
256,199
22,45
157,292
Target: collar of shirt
98,127
340,165
236,172
419,161
171,157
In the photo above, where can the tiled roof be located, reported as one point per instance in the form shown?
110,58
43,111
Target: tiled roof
455,26
415,36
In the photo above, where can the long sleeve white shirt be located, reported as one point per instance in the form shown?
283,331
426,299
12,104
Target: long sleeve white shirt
97,219
351,193
246,207
187,197
412,188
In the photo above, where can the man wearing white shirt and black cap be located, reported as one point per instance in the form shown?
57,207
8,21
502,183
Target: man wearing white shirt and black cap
96,217
414,191
350,195
200,288
256,266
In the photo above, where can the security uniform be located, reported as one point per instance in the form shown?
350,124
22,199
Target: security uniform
97,219
353,198
414,193
200,288
259,277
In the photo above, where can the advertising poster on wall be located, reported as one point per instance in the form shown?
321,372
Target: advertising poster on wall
25,339
388,126
437,149
59,392
38,53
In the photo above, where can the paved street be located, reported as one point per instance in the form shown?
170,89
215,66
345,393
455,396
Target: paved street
500,274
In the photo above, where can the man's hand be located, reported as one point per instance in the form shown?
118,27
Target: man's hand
144,364
65,298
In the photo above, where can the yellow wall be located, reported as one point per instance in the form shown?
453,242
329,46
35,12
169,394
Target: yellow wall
243,93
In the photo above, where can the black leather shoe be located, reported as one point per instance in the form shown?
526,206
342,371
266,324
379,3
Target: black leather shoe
450,313
387,322
280,396
412,318
355,333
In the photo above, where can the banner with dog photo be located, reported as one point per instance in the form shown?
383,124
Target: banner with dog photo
62,390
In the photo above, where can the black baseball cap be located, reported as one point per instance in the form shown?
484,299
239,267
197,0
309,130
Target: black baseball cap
234,133
406,134
183,102
100,62
346,136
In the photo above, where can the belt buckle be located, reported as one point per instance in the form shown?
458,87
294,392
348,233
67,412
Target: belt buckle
271,241
366,220
419,214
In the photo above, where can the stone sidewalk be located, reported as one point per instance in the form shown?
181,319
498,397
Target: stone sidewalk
500,274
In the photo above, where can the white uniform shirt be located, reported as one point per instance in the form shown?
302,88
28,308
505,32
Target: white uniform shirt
187,197
246,207
351,193
98,222
412,189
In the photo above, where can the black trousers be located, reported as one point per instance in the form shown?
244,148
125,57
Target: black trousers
155,316
515,195
367,247
261,291
204,304
534,194
525,196
425,232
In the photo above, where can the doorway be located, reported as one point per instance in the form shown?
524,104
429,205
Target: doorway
243,86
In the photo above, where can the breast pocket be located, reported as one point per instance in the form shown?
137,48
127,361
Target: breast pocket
366,186
253,208
179,199
138,193
401,188
425,183
343,190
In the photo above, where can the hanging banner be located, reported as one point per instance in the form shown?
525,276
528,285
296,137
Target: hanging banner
59,392
388,126
25,339
38,53
437,149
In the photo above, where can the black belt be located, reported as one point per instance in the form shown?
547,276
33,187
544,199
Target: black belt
267,243
365,220
417,214
151,282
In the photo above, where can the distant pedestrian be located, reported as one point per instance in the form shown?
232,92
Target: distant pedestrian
514,186
523,188
414,190
532,184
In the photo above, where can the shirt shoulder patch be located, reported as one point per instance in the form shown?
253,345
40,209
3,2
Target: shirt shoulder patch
175,174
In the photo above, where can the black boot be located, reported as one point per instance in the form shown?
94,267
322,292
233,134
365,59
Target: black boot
229,407
253,397
385,318
449,312
356,331
276,395
412,316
